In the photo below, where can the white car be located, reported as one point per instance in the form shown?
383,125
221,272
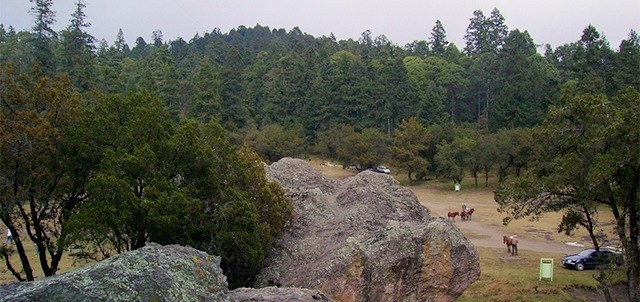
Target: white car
383,169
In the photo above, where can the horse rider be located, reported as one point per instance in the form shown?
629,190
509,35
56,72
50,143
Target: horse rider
514,245
463,214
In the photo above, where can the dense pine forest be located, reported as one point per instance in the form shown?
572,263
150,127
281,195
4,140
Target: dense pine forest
94,114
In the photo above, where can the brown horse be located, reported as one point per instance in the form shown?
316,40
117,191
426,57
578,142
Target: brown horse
507,240
453,215
466,215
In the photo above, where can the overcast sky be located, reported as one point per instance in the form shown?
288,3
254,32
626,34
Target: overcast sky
402,21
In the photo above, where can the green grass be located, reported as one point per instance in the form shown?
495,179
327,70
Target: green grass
508,278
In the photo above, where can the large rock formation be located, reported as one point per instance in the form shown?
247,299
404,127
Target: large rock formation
365,239
152,273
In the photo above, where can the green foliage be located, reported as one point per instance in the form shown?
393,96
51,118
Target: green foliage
587,153
363,150
453,157
409,150
438,41
77,50
174,184
207,101
40,178
274,142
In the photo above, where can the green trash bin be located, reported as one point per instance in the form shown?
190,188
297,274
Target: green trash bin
546,269
457,187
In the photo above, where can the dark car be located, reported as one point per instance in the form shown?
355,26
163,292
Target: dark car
590,259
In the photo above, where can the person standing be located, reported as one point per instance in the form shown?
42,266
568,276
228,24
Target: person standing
9,237
514,245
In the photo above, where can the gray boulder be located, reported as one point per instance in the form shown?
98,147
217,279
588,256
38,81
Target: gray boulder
277,294
152,273
365,238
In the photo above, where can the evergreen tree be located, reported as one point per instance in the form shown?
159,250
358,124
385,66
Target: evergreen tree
140,48
44,35
207,99
477,34
78,50
120,44
627,63
438,40
418,48
528,84
497,31
422,81
156,36
594,62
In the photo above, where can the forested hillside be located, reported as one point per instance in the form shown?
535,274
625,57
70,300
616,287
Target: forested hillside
429,108
253,77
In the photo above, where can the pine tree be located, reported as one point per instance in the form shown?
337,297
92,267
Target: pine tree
78,49
497,31
120,44
438,39
477,37
44,35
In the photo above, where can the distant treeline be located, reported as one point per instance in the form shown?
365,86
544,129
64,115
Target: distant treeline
253,77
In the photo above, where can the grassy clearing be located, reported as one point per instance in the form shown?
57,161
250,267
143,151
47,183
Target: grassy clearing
516,278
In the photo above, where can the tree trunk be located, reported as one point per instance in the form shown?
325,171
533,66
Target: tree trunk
28,271
605,290
487,105
486,177
632,249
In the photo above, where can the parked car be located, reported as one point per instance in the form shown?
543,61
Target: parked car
590,259
383,169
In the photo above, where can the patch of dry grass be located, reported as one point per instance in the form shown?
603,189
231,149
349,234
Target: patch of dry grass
67,263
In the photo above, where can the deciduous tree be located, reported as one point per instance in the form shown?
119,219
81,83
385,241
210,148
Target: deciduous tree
42,175
588,152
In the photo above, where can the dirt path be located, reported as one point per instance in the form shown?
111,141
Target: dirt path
492,237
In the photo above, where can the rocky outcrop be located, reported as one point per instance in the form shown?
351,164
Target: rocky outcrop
152,273
365,238
277,294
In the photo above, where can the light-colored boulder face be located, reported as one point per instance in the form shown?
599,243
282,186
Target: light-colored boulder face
365,238
152,273
276,294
